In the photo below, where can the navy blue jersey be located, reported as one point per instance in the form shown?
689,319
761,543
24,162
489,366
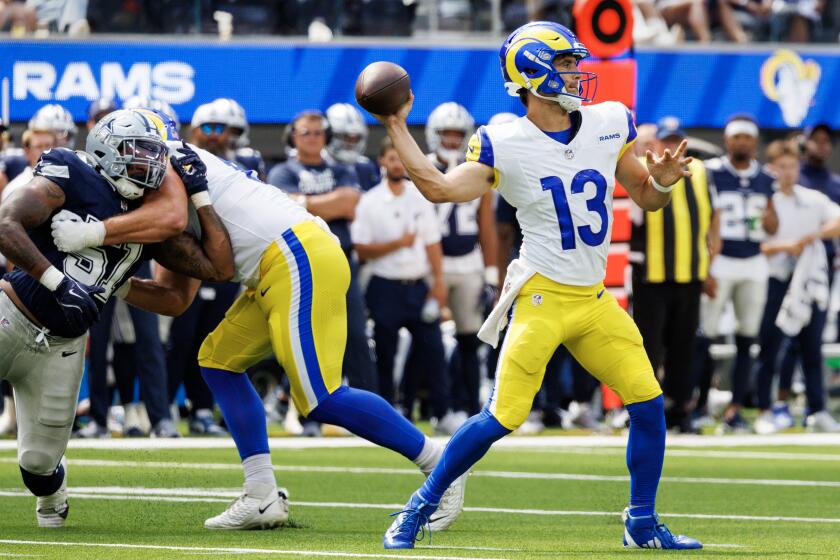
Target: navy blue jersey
822,179
367,172
458,222
742,198
506,214
251,159
91,197
295,177
13,165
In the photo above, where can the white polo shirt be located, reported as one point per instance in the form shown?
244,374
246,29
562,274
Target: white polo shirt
802,213
382,217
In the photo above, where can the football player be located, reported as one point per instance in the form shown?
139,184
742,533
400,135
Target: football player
296,275
558,166
348,139
240,150
468,237
51,298
739,273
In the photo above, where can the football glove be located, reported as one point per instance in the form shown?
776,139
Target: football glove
70,234
191,169
76,301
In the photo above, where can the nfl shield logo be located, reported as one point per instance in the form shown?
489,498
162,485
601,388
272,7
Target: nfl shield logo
536,299
570,154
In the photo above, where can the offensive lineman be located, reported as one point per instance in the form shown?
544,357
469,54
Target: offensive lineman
296,275
558,167
53,296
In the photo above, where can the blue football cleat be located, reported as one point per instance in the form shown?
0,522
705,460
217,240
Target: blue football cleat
646,531
410,525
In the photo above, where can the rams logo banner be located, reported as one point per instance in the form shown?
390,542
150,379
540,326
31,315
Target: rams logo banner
274,80
791,83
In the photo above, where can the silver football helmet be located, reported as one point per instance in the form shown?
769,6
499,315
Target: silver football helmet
349,132
58,119
233,115
446,117
130,149
142,102
502,118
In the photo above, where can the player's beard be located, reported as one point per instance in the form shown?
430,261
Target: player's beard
740,157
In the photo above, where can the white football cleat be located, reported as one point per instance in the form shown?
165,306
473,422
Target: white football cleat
451,505
822,422
765,424
51,511
261,506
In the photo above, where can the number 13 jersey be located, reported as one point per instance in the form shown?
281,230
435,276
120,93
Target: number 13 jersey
562,192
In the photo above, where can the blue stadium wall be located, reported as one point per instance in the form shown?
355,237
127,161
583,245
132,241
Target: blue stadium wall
274,81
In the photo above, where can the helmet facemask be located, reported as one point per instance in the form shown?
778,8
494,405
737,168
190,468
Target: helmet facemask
553,86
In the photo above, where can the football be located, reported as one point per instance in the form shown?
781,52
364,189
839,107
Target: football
382,88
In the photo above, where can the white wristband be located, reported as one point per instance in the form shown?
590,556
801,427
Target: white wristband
123,290
96,234
200,199
491,275
660,188
51,278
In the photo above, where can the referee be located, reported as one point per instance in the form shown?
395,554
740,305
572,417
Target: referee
670,254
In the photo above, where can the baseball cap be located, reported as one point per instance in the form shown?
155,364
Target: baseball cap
668,127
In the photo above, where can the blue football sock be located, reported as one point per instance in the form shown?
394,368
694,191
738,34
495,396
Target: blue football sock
369,416
645,453
241,408
467,446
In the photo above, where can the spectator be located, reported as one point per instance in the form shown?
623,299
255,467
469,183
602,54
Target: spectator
739,272
19,17
796,261
670,254
691,14
62,16
396,231
331,192
795,21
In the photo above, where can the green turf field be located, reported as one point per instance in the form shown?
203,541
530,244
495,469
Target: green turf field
755,502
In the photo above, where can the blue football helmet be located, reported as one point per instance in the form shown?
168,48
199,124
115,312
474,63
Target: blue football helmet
526,59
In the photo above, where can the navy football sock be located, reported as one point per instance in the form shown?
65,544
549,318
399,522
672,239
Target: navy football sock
241,408
645,453
43,484
369,416
467,446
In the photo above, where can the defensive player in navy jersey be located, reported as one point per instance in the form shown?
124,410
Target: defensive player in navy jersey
347,142
739,272
51,298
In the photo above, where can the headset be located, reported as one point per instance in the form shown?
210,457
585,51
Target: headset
325,123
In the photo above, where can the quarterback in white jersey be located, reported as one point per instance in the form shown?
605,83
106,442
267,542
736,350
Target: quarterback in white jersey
558,166
296,276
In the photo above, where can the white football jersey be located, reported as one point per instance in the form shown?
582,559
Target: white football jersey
255,214
562,193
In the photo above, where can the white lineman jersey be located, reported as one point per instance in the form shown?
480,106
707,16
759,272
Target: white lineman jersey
562,193
255,214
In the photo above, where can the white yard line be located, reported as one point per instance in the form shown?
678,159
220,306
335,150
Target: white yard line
191,495
483,474
758,455
234,550
519,442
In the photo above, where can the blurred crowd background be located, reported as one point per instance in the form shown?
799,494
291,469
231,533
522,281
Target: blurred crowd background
424,276
660,22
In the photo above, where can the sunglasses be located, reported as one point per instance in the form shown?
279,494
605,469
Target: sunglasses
213,128
304,133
